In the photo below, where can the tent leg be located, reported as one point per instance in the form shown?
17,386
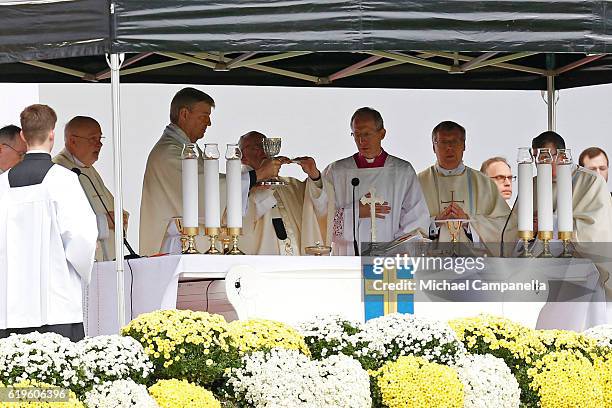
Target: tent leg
551,103
115,61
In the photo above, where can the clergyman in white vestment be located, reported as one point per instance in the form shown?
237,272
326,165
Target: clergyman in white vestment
402,209
83,143
285,219
161,200
12,147
456,191
592,213
47,238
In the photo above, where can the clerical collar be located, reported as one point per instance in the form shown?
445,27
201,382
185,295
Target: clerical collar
364,163
75,160
37,151
175,132
452,172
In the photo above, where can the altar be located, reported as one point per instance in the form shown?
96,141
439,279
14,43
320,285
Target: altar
293,289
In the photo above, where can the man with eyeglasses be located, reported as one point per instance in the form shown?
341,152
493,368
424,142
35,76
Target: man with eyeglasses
402,210
82,145
498,169
456,191
12,147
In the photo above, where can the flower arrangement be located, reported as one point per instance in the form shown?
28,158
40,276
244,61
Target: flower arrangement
119,394
566,379
261,335
288,378
182,344
110,358
388,337
415,382
48,358
603,366
601,333
520,347
329,335
182,394
72,402
487,382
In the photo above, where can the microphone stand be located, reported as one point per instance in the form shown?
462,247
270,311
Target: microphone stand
355,183
132,254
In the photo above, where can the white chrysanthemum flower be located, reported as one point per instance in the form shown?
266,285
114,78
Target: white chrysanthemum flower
110,358
391,336
46,357
287,378
487,382
601,333
119,394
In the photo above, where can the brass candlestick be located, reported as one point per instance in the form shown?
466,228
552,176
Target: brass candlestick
234,234
213,234
566,237
545,237
526,236
188,240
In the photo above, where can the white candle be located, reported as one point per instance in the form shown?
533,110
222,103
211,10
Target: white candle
545,197
190,192
525,197
564,198
234,193
212,210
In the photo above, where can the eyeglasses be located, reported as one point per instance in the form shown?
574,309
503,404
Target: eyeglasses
20,154
92,140
501,178
448,143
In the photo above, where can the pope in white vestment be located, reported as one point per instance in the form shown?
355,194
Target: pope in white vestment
403,209
283,220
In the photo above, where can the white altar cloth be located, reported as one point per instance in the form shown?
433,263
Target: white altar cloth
293,289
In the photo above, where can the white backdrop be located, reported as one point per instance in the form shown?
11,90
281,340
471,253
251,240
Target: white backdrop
314,121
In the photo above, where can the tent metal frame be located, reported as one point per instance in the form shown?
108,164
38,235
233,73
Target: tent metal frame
373,61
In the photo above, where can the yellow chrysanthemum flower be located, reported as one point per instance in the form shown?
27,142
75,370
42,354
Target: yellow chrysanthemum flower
413,382
182,394
258,334
566,379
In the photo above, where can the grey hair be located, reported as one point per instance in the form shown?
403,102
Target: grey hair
186,98
447,126
372,113
8,134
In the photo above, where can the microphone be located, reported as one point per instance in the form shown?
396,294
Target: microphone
501,244
132,254
354,183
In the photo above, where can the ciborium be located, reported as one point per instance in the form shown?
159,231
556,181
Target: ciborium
271,147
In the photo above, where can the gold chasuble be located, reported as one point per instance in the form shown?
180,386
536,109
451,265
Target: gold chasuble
479,198
302,207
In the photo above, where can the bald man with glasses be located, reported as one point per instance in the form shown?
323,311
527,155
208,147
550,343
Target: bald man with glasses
12,147
82,145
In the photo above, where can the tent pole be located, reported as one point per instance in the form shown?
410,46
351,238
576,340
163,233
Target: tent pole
550,102
115,62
